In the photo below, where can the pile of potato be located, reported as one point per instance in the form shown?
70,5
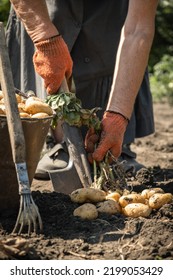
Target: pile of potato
32,107
95,201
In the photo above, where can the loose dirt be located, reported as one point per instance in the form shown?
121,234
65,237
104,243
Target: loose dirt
108,237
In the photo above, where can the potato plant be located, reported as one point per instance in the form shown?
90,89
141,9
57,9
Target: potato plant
67,107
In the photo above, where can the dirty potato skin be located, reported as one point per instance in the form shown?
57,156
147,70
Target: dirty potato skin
157,200
136,210
114,195
1,94
34,105
40,115
21,107
87,195
24,115
131,198
2,109
109,207
147,193
86,211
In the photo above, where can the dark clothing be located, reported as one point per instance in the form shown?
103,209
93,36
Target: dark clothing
91,29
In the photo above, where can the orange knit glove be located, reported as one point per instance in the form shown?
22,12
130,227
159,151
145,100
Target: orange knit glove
113,129
52,61
91,139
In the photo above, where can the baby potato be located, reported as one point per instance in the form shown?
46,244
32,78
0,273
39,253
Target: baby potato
157,200
40,115
114,195
87,195
146,201
109,206
95,195
18,98
125,192
136,210
21,107
24,115
86,211
131,198
79,195
2,100
147,193
2,109
1,94
33,98
34,105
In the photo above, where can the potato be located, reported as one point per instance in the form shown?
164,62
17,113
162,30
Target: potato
87,195
2,101
146,201
40,115
131,198
33,98
2,109
18,98
114,195
157,200
125,192
35,105
1,94
86,211
21,107
147,193
136,210
109,206
95,195
24,115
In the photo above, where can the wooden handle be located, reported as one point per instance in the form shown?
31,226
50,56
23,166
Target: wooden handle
13,119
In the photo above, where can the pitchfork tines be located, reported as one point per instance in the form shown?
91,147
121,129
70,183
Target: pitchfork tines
28,212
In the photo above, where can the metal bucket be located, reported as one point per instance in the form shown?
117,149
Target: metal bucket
35,131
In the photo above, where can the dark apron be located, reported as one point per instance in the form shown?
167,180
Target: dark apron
91,29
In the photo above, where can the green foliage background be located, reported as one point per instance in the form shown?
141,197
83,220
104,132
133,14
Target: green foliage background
4,10
161,56
163,40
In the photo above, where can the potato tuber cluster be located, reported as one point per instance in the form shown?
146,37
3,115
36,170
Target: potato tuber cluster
94,201
32,107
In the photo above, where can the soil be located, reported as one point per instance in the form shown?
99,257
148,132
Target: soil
108,237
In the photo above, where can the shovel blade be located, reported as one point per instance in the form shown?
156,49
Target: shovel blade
65,180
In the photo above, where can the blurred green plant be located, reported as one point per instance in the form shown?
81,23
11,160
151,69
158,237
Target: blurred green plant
4,10
163,39
161,80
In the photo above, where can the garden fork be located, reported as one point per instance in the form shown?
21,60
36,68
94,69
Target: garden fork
28,211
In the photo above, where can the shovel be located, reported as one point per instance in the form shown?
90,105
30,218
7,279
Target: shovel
28,212
77,173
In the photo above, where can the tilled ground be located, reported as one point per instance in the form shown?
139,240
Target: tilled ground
108,237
